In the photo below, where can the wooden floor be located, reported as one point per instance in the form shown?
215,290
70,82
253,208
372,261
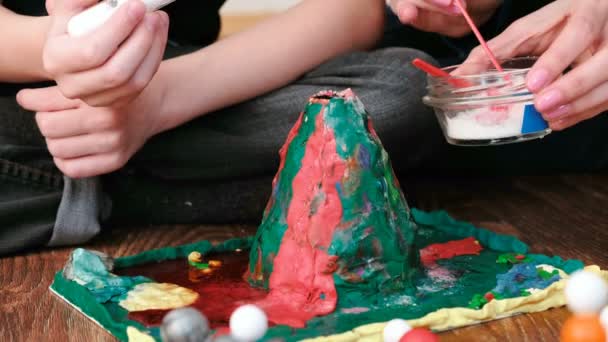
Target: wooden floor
564,215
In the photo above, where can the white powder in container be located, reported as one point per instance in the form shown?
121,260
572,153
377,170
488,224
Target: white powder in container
486,123
492,108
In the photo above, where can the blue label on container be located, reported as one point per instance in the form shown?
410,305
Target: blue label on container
533,121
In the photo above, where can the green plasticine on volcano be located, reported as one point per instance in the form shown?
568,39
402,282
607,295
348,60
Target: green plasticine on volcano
370,182
373,242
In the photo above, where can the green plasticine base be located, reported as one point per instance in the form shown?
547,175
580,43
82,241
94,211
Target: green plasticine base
335,202
478,276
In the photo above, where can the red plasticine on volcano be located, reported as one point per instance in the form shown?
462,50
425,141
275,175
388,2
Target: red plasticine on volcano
299,290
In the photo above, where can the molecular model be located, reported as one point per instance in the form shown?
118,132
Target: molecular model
586,295
248,323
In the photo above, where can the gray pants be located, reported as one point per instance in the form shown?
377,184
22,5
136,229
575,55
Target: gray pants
215,169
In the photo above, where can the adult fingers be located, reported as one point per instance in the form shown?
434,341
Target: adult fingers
570,121
576,84
445,3
65,54
448,7
528,35
119,68
450,26
405,11
93,165
45,100
583,27
69,123
591,100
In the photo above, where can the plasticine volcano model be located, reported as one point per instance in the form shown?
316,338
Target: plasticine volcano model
336,219
338,254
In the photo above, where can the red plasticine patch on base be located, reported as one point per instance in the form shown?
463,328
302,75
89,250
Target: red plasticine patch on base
437,251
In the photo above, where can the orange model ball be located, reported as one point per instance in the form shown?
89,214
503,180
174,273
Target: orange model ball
583,328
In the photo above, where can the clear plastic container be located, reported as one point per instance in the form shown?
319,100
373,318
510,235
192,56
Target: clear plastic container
487,107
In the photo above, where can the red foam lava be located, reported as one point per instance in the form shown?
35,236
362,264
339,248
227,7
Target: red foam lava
221,291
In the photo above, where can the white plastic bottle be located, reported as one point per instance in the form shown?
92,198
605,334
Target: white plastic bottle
94,16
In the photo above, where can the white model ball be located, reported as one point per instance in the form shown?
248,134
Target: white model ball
586,293
604,318
395,329
248,323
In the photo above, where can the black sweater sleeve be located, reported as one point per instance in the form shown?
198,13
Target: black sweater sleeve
194,22
26,7
521,8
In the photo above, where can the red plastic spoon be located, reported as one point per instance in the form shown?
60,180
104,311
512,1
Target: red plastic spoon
436,72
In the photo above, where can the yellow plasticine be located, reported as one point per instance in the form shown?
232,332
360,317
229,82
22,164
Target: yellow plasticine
135,335
159,296
446,319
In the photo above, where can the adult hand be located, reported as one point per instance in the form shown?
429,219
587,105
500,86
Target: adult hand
443,16
112,64
565,33
88,141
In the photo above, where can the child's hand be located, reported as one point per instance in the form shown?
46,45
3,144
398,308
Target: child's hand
89,141
443,16
50,5
111,65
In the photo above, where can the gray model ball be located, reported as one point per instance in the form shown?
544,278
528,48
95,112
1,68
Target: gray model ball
184,325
